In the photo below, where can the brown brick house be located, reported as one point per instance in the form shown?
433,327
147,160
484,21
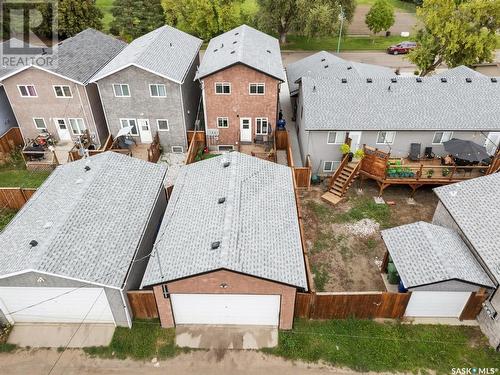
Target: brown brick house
241,72
229,249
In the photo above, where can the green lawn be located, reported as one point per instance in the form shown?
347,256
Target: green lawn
6,216
365,345
21,178
145,340
349,43
401,6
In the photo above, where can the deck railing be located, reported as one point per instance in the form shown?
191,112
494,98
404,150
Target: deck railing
419,172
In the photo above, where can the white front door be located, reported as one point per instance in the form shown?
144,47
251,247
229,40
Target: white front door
355,141
437,304
62,129
492,142
242,309
55,305
246,129
144,130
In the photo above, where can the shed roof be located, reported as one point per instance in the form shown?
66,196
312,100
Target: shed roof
406,104
166,51
475,206
244,45
425,254
325,64
257,224
88,224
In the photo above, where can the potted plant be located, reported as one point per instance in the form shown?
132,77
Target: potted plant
430,172
346,150
445,172
359,154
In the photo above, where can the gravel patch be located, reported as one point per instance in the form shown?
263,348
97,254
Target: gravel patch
363,228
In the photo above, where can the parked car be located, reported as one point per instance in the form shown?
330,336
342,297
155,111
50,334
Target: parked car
401,48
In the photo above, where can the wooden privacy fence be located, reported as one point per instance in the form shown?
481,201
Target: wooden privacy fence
143,304
345,305
15,198
303,174
196,140
473,305
9,141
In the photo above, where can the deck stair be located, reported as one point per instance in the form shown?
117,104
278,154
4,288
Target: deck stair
341,181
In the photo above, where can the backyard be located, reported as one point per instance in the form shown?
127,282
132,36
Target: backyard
343,241
15,174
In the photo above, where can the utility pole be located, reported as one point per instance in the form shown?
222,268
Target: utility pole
341,19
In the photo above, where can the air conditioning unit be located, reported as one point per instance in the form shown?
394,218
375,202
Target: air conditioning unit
490,310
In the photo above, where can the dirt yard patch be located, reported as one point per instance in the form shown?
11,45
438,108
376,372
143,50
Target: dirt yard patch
344,243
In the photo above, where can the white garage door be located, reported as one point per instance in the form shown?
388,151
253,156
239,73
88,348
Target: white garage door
437,304
55,305
241,309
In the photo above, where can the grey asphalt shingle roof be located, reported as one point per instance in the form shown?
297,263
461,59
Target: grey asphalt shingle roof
88,224
257,225
244,45
431,104
165,51
424,254
460,71
80,57
325,64
475,207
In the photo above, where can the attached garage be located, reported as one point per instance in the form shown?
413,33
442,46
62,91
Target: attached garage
437,304
55,305
237,309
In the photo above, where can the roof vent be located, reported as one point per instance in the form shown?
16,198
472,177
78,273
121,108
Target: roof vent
394,80
314,88
222,45
215,245
215,50
235,42
369,80
171,45
268,51
349,67
87,168
494,79
33,243
344,80
468,80
236,33
419,79
326,66
221,200
323,59
444,80
232,52
226,164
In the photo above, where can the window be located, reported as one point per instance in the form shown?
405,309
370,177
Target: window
164,290
386,137
27,91
262,126
40,123
121,90
223,88
225,148
77,125
124,122
177,149
257,88
335,138
222,122
330,166
61,123
162,125
158,91
441,137
63,91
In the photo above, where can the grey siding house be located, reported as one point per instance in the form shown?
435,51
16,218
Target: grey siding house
7,118
150,86
82,241
392,113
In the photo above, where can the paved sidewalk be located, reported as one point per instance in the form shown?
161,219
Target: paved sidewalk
286,106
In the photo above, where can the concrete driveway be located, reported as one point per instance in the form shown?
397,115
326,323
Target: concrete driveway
48,335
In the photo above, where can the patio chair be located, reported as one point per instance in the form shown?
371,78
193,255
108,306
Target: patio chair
414,151
428,154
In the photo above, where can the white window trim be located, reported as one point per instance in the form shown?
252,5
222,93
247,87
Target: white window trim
29,96
257,84
56,122
128,120
121,84
44,123
386,143
174,152
219,146
158,125
223,127
261,118
223,84
335,142
157,96
63,97
333,165
71,128
441,142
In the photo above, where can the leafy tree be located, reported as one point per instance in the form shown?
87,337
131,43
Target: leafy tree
380,17
456,32
134,18
278,16
204,18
